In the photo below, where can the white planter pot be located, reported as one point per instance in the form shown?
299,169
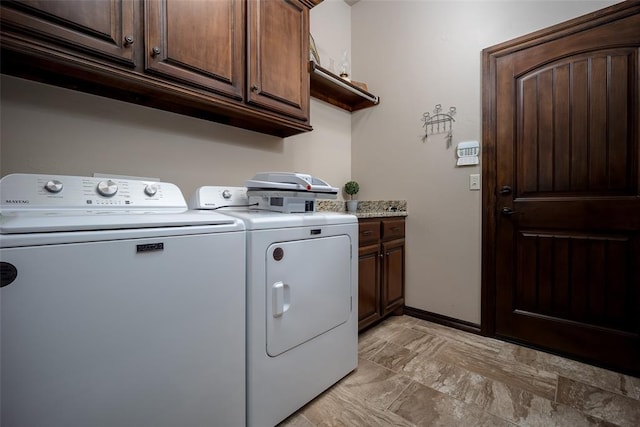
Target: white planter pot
352,205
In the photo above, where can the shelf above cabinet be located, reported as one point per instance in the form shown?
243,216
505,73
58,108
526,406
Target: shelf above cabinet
329,87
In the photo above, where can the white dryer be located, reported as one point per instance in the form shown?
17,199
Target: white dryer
119,306
302,277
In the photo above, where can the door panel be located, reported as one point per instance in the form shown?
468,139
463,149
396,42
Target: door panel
368,284
308,290
581,278
574,126
102,28
564,240
197,42
393,289
278,38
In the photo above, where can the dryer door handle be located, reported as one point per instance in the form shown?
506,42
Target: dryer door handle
280,298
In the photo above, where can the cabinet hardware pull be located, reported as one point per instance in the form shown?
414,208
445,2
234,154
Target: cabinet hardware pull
128,40
254,88
155,51
395,229
367,233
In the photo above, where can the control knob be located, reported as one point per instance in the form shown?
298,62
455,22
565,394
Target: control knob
107,188
226,194
150,189
53,186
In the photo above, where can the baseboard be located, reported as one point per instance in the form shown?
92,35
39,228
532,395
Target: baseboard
440,319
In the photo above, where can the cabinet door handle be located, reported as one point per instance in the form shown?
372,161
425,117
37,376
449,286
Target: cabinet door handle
155,51
254,88
395,229
128,40
367,233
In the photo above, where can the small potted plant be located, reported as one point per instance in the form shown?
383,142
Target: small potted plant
352,188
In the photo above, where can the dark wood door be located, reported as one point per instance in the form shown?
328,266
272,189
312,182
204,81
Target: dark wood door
101,28
562,223
278,39
199,43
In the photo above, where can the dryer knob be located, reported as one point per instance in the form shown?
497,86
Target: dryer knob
107,188
226,194
53,186
150,189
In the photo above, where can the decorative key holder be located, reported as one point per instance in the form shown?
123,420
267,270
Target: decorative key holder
439,122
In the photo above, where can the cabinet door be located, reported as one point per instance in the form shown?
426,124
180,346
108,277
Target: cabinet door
368,285
393,280
200,43
278,56
98,27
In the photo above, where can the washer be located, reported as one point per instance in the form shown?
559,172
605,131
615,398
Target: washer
119,306
301,302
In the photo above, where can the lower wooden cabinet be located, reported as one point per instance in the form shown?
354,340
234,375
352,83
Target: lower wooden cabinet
380,269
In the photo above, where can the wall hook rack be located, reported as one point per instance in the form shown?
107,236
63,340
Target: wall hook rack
439,122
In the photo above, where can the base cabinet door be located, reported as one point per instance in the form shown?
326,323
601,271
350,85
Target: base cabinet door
381,269
368,285
393,285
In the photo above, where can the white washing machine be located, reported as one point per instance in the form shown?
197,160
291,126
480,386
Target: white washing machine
119,307
302,278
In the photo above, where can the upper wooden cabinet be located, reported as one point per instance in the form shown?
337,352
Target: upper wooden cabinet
237,62
208,56
278,39
102,28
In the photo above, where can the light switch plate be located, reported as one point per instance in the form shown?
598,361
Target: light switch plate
474,182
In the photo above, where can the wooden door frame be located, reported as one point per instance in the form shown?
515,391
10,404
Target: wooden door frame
490,185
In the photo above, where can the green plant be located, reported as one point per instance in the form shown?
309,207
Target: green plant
351,188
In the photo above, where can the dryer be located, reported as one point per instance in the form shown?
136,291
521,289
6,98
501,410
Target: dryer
302,275
119,307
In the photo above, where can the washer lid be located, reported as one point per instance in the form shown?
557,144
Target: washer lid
52,221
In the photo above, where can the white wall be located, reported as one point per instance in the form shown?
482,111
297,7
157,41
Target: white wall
46,129
414,55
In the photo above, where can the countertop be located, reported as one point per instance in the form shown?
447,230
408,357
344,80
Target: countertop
368,208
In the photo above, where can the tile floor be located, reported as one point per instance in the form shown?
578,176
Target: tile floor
416,373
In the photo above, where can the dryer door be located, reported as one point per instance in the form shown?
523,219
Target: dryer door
308,290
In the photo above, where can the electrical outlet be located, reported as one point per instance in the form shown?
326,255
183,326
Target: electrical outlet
474,182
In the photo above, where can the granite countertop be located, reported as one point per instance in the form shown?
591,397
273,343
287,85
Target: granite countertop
368,208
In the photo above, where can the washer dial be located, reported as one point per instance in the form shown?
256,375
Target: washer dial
107,188
53,186
150,189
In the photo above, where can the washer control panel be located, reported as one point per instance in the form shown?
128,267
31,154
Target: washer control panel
55,192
